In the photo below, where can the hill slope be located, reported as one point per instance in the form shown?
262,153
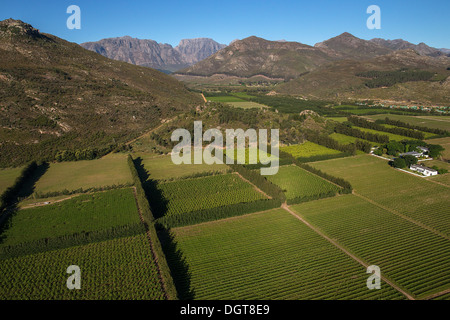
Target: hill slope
255,56
57,95
350,79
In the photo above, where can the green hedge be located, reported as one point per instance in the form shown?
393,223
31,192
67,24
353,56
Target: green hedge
213,214
148,218
72,240
311,198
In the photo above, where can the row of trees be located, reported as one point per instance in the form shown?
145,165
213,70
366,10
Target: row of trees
148,220
413,127
354,132
67,241
212,214
360,122
326,141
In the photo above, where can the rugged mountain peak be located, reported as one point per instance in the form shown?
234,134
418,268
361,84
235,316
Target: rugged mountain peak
400,44
195,50
347,45
149,53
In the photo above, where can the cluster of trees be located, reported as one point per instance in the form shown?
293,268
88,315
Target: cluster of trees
360,122
393,148
246,116
389,78
82,154
354,132
148,220
67,241
413,127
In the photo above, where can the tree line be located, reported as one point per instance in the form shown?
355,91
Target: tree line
390,78
360,122
354,132
402,124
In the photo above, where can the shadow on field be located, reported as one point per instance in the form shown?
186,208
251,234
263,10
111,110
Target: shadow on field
29,184
178,265
6,217
158,204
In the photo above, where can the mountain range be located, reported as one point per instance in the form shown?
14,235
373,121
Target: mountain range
149,53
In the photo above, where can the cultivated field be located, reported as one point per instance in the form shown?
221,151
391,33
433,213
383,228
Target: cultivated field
412,257
415,197
298,183
162,167
423,121
83,213
344,139
190,195
391,136
115,269
107,171
308,149
269,255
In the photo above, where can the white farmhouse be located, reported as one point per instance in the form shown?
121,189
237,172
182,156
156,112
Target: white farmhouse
423,170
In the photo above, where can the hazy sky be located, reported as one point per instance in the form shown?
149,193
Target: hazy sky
294,20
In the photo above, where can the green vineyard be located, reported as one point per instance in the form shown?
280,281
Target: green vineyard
414,258
299,183
419,199
116,269
269,255
84,213
185,196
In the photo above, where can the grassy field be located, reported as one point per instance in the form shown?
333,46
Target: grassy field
269,255
423,121
115,269
308,149
415,197
110,170
344,139
189,195
414,258
391,136
162,167
90,212
7,178
297,182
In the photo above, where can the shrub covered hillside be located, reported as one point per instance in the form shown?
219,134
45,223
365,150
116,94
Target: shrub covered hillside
57,96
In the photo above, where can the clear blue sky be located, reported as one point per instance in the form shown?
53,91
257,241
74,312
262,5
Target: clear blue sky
294,20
